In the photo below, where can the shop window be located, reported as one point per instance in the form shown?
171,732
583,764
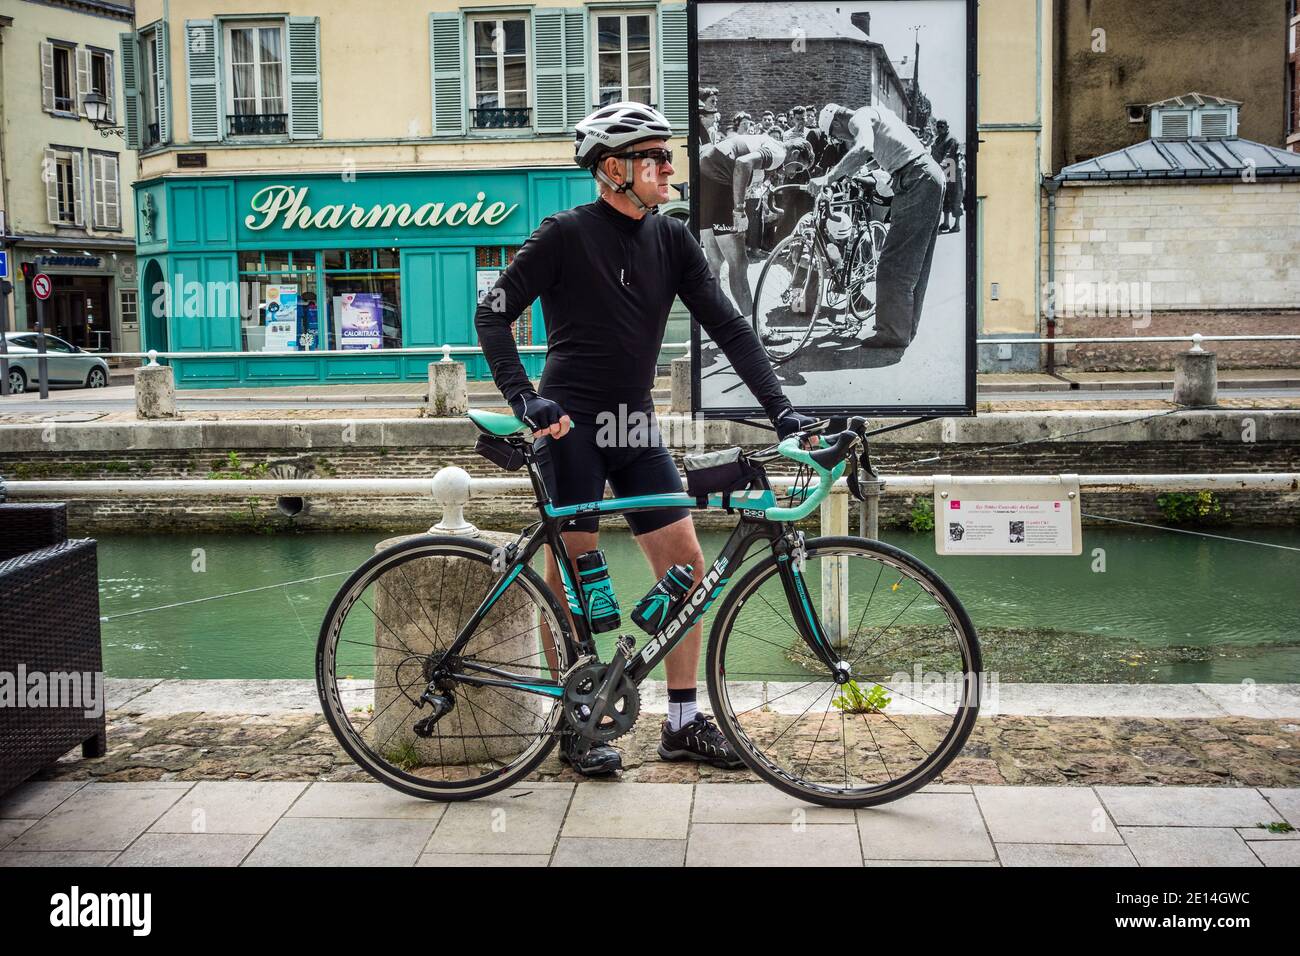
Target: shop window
491,260
128,308
278,307
362,300
624,60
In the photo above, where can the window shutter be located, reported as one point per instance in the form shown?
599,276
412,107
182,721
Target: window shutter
201,81
78,210
96,190
548,71
577,93
130,90
304,78
83,79
674,93
47,77
112,202
1214,123
164,85
50,173
446,51
110,87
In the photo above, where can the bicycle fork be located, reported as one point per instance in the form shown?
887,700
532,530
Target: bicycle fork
790,556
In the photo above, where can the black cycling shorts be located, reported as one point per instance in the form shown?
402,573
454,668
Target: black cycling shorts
576,467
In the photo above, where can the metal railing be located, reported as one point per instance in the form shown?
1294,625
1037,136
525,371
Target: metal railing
446,351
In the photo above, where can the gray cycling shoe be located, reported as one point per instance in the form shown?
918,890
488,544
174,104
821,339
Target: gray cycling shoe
601,760
699,740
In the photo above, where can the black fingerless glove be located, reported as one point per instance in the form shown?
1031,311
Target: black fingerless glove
789,422
536,412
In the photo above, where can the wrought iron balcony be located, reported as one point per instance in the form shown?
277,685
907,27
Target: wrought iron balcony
259,124
507,117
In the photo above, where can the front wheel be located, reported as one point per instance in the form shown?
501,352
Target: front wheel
913,659
787,298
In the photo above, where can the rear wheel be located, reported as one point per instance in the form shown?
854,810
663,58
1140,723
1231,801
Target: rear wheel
914,660
96,378
17,381
787,298
391,691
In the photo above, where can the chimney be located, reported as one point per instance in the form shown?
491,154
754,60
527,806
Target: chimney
862,21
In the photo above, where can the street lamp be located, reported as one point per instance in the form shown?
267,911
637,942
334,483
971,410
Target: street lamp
97,113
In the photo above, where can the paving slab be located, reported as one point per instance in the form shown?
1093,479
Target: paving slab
11,829
1064,854
522,819
484,859
57,858
758,803
1186,806
878,863
1188,846
1285,801
660,811
119,691
188,849
925,826
1045,815
1103,700
99,818
31,801
323,842
1254,699
1260,834
363,801
1278,854
769,844
585,851
230,806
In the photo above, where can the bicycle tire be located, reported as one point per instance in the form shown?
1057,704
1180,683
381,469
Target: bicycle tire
947,750
777,252
428,546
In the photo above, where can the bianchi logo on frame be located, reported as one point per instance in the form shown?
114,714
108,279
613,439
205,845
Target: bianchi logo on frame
287,208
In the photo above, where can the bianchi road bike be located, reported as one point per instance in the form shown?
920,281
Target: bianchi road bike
843,670
811,277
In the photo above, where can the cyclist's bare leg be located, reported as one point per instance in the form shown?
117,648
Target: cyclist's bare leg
732,245
712,252
575,543
677,544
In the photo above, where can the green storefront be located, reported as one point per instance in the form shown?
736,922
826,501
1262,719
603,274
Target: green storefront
296,267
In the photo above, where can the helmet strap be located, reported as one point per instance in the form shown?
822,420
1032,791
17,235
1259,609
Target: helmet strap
624,187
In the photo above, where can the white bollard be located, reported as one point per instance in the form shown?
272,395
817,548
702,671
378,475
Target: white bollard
451,489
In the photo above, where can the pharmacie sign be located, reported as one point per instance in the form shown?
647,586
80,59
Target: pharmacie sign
284,208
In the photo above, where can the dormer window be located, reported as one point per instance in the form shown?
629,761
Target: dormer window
1193,115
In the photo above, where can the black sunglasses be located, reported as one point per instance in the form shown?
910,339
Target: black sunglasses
660,155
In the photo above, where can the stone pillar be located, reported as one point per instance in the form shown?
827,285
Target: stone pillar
1196,379
448,394
834,571
680,396
412,621
155,392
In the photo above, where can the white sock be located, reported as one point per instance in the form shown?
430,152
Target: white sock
681,714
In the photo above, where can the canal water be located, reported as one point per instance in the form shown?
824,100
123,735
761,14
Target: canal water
1139,605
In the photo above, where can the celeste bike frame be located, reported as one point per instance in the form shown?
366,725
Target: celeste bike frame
761,521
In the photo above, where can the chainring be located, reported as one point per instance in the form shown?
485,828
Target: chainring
580,688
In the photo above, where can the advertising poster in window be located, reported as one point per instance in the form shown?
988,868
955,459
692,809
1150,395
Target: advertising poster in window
281,318
357,318
833,157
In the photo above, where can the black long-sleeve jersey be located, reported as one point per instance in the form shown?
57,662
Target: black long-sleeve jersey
607,281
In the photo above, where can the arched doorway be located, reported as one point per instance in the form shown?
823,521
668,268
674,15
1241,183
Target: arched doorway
153,295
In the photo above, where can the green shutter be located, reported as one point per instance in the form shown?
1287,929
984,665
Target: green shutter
164,91
201,81
304,78
130,89
446,54
577,95
548,71
674,84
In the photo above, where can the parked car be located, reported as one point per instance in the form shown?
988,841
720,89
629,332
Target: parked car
69,366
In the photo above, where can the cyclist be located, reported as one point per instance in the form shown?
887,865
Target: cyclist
607,273
728,170
875,132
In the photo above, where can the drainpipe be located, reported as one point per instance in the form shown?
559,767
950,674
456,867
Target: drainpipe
1051,185
5,300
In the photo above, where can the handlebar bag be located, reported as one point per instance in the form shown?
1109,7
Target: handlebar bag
714,471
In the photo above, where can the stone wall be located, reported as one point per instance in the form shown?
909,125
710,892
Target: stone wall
1202,441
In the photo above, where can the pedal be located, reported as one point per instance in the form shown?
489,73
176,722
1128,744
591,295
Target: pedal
626,645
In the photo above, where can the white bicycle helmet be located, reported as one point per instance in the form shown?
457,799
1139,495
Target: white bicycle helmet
612,128
827,116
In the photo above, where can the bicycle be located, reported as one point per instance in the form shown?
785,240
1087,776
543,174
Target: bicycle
464,702
809,276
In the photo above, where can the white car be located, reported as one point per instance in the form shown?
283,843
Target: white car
69,366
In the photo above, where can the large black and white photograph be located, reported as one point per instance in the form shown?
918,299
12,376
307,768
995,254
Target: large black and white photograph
833,154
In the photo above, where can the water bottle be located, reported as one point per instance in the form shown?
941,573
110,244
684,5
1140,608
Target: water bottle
656,609
598,592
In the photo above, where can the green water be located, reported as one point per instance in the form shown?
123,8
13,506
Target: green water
1168,607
